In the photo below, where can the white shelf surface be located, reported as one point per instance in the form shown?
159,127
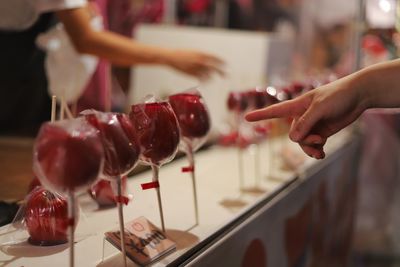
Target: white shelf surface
217,180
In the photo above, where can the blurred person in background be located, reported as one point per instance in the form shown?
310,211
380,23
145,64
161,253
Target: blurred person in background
123,17
324,42
262,15
25,102
196,12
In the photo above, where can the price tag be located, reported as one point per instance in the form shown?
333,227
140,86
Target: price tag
144,242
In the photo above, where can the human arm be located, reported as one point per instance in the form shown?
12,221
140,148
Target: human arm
328,109
123,51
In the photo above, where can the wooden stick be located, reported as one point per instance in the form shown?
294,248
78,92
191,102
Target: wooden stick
121,219
53,108
155,179
62,109
193,175
71,217
68,111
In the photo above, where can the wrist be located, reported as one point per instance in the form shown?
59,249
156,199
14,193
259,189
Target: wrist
359,86
361,83
380,85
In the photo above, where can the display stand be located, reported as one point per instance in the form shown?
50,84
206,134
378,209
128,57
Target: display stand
216,182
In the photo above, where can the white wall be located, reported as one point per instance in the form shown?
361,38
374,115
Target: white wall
245,53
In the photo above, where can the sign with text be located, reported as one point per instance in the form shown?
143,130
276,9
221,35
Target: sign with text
144,242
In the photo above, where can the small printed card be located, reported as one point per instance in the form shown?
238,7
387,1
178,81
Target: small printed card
144,242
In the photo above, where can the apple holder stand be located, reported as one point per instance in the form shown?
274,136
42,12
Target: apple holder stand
109,251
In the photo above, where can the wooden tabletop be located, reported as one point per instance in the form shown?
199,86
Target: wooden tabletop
16,167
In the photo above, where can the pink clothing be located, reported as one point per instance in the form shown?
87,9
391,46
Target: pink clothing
97,94
197,6
124,16
118,16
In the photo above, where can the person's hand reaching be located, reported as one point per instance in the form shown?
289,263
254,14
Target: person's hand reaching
198,64
317,114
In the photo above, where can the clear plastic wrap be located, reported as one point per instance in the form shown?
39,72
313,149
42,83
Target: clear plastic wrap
157,129
103,193
158,132
121,151
194,122
120,144
68,155
42,220
46,218
193,117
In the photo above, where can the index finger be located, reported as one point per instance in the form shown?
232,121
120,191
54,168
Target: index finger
287,109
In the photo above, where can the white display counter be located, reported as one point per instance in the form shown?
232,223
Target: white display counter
220,218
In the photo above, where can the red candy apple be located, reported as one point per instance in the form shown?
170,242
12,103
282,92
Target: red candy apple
46,218
237,101
102,192
120,144
68,155
193,118
158,131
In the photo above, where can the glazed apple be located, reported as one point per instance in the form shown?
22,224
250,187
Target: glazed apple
157,130
46,218
260,98
102,192
193,118
68,155
120,144
237,101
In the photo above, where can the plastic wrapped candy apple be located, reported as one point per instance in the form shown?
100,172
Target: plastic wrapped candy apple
257,98
46,218
194,122
158,132
120,144
68,157
237,102
192,114
260,98
121,150
103,194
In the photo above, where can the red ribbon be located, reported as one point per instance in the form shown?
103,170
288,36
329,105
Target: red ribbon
188,169
150,185
121,199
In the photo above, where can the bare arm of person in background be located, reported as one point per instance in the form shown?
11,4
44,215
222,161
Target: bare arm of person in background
123,51
326,110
